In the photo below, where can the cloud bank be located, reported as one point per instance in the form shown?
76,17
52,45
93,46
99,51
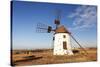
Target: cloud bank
84,17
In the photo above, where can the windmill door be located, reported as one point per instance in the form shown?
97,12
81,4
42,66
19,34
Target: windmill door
64,45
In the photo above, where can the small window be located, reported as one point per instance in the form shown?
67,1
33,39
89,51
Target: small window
64,45
64,36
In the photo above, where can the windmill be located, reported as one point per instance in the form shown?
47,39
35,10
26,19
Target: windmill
62,36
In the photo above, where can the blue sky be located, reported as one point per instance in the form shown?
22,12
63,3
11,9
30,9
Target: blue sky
81,20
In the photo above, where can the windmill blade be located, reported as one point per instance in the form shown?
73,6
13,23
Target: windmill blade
58,17
43,28
78,44
58,14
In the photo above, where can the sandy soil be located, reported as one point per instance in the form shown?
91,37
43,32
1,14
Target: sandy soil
45,56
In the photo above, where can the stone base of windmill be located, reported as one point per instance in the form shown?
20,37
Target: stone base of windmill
63,52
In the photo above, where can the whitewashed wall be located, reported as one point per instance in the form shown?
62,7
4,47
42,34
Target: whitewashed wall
58,44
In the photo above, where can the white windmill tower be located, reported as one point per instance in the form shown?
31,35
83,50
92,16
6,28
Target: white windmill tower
62,43
61,39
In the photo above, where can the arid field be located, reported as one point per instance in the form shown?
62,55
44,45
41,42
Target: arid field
45,56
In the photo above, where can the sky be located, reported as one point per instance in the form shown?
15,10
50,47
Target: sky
80,20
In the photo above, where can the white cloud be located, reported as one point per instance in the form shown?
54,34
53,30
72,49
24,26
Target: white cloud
84,17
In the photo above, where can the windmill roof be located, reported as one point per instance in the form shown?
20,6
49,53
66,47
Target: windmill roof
61,29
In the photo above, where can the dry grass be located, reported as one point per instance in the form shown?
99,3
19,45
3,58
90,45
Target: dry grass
45,56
